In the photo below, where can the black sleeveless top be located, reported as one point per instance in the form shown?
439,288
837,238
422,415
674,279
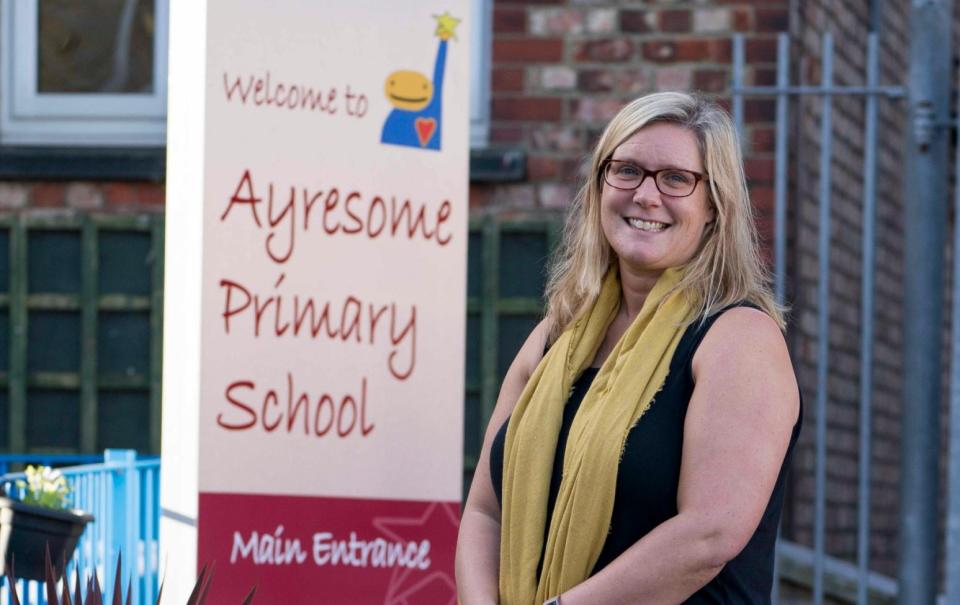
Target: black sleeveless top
649,477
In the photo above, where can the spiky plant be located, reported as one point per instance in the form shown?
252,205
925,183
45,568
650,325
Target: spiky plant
94,594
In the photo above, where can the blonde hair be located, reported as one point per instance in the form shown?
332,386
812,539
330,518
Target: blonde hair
727,267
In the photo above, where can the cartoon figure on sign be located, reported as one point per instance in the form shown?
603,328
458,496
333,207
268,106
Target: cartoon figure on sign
417,116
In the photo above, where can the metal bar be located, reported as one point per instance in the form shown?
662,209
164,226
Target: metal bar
925,218
88,337
739,55
780,217
17,387
823,322
156,331
488,320
866,313
893,92
780,184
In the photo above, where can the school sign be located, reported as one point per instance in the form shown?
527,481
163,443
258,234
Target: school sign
314,313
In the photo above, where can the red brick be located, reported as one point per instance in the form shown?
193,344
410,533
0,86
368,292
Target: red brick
772,19
767,3
634,21
536,109
721,50
759,170
120,194
556,195
596,109
674,21
742,20
575,167
759,110
671,51
610,50
556,22
595,80
764,77
506,79
541,168
761,196
556,138
48,195
762,139
699,49
528,49
761,50
509,20
152,194
480,195
711,80
506,134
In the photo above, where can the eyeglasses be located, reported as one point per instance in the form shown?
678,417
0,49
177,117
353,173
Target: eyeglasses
627,176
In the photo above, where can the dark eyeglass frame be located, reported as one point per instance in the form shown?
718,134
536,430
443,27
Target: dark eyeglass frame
697,177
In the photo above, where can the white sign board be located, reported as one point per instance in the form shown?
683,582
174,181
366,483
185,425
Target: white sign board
314,321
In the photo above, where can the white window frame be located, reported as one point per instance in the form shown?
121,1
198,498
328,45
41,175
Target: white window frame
28,117
481,36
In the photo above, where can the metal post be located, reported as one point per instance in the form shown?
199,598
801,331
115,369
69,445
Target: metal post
952,566
866,314
823,323
925,219
780,184
124,509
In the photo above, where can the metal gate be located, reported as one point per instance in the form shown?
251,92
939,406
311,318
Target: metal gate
831,576
845,580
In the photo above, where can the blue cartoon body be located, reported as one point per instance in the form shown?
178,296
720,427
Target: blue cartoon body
421,128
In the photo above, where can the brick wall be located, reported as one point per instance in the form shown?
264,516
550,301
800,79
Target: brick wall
68,197
563,68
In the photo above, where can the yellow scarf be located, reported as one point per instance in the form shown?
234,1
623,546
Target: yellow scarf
622,391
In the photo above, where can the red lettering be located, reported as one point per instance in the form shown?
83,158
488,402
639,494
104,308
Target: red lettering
250,199
325,402
228,309
351,215
270,399
286,213
343,432
409,330
346,417
238,404
442,215
333,198
376,202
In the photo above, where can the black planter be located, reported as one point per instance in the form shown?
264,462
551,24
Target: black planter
26,530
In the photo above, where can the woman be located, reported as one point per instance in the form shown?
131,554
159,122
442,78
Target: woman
651,413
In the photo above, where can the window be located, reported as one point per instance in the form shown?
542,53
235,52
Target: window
89,73
481,31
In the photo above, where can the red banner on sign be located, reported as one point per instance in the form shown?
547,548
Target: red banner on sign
306,550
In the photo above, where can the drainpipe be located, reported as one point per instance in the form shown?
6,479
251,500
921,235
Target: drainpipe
925,210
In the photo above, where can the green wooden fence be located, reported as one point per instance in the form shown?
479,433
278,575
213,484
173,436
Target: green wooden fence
81,309
81,302
506,274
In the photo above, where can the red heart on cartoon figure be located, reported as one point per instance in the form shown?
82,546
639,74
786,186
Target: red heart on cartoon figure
425,129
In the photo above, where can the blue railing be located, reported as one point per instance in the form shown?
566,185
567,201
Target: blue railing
122,493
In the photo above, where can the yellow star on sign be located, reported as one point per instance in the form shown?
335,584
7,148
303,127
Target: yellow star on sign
446,24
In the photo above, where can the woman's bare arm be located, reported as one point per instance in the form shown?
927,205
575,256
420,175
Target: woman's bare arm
736,434
478,544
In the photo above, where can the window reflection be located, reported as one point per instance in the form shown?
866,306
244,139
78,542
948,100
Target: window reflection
96,46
